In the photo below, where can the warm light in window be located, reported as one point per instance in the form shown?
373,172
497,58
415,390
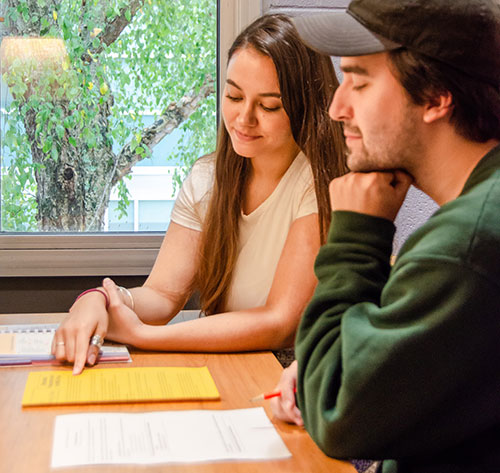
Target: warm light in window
41,51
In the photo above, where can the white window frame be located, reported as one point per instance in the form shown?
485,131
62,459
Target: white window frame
116,254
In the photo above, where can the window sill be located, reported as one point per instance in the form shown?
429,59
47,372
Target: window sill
117,254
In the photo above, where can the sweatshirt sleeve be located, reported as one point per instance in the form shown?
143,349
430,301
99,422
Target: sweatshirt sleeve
388,364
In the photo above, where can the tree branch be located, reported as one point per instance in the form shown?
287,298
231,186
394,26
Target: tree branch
169,120
114,28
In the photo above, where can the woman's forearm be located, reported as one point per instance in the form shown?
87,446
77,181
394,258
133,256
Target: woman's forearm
255,329
153,307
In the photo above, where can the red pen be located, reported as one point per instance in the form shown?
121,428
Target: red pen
264,396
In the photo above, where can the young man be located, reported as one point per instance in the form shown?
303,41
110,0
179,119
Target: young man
402,364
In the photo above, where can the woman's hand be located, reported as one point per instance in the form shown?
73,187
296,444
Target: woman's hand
284,407
124,324
87,317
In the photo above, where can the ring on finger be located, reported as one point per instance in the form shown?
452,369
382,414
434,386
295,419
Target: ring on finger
97,341
58,344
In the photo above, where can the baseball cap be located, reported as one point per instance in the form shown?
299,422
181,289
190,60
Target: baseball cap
464,34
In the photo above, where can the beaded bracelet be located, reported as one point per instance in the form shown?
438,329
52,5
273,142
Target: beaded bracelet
95,289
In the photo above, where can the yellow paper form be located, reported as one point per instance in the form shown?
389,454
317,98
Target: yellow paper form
96,386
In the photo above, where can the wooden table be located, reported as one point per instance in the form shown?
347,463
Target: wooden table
26,436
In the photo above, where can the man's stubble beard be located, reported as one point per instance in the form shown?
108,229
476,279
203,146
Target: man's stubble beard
400,151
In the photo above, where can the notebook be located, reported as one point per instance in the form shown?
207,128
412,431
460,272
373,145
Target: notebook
30,344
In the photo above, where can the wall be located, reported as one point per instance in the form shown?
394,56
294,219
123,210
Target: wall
417,207
49,294
45,294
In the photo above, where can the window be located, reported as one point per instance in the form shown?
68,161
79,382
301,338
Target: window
142,201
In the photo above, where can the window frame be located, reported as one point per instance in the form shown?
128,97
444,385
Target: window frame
110,253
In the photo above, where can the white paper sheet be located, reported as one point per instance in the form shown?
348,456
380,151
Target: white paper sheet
165,437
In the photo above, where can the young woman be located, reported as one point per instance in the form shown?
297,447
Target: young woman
248,221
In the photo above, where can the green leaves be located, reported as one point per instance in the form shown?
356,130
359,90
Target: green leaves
47,145
104,89
19,209
19,88
89,137
124,199
60,131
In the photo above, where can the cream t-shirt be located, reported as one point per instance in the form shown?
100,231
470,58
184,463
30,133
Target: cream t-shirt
262,233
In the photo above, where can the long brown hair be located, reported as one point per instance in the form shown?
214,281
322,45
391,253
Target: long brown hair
307,83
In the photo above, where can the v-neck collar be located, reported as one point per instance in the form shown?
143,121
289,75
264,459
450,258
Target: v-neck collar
297,161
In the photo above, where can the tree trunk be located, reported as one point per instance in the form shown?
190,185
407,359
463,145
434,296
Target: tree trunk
72,191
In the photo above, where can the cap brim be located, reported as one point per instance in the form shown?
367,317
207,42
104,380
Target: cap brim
339,34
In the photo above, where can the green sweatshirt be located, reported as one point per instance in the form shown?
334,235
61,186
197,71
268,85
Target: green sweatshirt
402,364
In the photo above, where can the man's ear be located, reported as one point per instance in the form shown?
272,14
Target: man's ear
438,107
